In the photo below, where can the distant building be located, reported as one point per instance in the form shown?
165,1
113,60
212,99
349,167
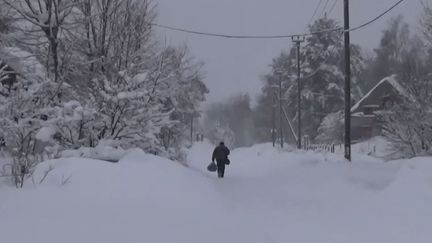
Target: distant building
364,122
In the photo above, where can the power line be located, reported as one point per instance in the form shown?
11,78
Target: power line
245,36
378,17
283,36
324,8
332,7
315,12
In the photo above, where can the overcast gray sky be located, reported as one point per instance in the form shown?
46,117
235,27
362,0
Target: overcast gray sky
235,66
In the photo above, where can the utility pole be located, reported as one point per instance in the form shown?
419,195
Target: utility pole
298,40
273,131
191,129
280,112
347,82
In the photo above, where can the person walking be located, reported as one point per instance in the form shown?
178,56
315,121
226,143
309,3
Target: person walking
220,154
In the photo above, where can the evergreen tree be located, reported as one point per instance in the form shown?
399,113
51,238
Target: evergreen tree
389,55
322,76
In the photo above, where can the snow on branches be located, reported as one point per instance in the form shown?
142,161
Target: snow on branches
94,74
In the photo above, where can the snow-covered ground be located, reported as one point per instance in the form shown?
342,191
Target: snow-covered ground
377,147
267,196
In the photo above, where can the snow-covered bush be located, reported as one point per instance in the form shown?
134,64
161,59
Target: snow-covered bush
126,113
103,151
74,125
408,124
27,106
331,129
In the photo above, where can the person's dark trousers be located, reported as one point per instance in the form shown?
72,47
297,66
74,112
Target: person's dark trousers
221,169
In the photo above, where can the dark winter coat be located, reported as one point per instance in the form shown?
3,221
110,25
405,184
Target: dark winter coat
220,154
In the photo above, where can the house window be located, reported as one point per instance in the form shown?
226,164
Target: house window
368,110
386,102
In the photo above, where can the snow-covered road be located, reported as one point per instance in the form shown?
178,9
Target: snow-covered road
267,196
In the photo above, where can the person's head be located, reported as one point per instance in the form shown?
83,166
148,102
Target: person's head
221,143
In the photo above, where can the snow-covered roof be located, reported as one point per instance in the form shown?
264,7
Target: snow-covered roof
391,80
361,114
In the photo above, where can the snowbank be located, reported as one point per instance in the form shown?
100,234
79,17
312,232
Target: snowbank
106,153
377,147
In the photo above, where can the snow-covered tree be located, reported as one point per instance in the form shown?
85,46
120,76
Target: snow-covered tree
102,77
6,24
322,75
46,21
28,105
389,55
185,93
141,92
323,87
5,19
331,129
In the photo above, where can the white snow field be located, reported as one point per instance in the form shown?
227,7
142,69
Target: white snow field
267,196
